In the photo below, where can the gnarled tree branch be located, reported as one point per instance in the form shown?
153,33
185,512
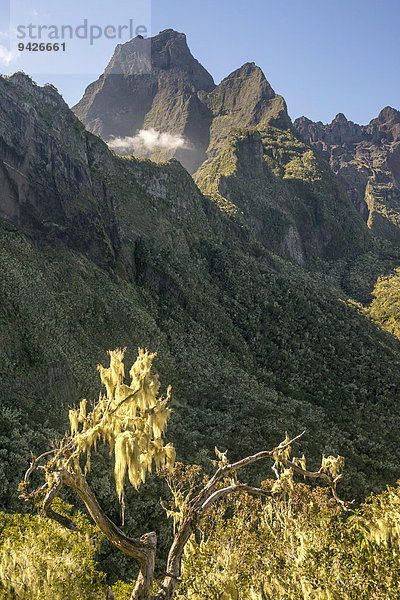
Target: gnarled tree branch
210,493
236,487
143,549
51,495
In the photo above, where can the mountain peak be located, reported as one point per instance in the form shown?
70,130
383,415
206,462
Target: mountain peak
166,51
171,32
340,118
159,86
48,93
244,87
248,69
388,115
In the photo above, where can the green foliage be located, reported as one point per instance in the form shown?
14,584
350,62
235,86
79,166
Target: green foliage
123,590
288,353
385,307
296,546
382,201
40,560
252,344
273,184
182,482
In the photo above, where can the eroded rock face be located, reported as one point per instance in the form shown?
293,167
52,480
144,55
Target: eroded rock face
45,180
129,97
366,159
243,99
61,183
62,186
177,97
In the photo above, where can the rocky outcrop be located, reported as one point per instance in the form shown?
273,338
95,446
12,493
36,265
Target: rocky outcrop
164,96
45,182
367,161
243,99
61,184
236,139
276,185
177,97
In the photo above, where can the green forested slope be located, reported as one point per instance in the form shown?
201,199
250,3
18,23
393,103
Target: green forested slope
268,179
252,344
385,306
249,350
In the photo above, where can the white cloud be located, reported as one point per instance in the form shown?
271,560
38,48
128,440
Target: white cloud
7,56
147,140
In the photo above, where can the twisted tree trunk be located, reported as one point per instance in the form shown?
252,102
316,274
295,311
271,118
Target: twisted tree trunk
142,549
174,560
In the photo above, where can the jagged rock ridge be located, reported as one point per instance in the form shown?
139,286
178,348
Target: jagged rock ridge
178,97
232,134
125,100
366,159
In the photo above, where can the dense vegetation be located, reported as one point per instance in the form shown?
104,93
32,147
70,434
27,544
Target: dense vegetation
298,542
40,559
244,292
297,546
250,349
273,183
385,307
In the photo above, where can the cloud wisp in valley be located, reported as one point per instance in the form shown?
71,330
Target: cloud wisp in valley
146,141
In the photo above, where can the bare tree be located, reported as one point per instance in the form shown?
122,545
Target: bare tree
132,420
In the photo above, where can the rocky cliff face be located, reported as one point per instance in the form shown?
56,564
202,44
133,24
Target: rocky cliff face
46,184
266,179
165,98
61,184
231,136
243,99
177,97
367,161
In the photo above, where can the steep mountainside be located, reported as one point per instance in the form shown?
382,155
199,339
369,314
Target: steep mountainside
265,178
385,307
251,344
250,161
243,99
177,97
367,160
46,186
125,100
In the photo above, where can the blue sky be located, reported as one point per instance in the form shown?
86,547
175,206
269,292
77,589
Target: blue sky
324,57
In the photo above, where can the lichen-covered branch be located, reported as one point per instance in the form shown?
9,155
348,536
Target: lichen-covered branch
211,493
53,492
132,419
